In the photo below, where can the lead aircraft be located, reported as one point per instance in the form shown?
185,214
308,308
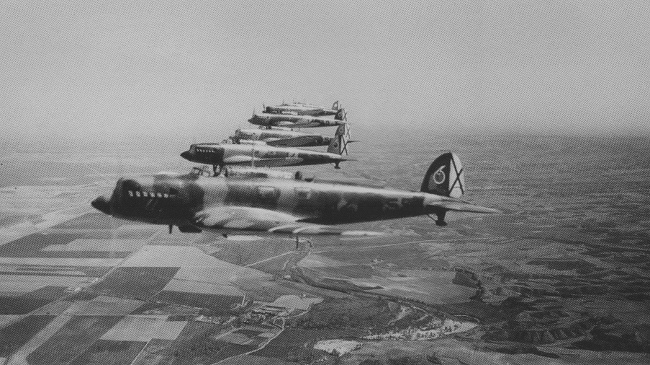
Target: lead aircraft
267,204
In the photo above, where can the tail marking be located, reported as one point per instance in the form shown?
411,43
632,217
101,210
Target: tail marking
339,143
445,177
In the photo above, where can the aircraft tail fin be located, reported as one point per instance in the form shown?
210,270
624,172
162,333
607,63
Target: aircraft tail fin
445,177
339,143
335,106
341,115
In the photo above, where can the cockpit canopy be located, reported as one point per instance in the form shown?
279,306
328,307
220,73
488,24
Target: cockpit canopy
204,170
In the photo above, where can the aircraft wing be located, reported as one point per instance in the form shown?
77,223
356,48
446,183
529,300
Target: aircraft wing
245,159
460,206
237,159
284,123
301,141
269,162
232,219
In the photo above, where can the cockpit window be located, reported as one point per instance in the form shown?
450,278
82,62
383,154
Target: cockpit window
201,171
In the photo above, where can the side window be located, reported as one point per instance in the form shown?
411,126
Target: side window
145,194
137,193
131,193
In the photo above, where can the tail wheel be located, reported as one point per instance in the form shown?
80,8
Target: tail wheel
440,218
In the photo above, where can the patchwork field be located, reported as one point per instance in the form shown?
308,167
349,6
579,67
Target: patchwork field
143,328
561,276
110,353
72,340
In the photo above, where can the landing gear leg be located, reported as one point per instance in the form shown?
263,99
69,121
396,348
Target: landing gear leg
336,165
170,229
297,242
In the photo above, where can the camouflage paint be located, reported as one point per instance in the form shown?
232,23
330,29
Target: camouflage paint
246,203
259,155
293,121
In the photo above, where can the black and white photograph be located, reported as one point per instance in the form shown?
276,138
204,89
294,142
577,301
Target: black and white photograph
324,182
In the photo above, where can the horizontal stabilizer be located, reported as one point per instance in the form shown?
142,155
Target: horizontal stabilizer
461,206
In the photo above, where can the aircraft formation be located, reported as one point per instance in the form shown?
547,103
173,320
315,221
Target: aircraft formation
252,200
276,143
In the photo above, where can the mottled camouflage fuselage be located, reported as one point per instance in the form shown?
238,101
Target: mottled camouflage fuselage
283,138
292,121
175,199
260,202
257,155
300,110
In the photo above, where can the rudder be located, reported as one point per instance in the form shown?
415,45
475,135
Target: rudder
341,115
445,177
339,143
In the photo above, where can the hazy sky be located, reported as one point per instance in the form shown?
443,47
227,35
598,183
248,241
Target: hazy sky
193,68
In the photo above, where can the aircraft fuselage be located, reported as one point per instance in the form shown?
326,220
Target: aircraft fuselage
175,199
286,138
255,154
300,110
292,121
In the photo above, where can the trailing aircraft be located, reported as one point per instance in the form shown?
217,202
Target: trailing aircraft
297,121
302,109
258,154
281,137
267,204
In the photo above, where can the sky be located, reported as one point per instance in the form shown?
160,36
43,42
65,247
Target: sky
198,69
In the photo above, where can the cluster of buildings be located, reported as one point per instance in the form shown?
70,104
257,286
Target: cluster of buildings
433,330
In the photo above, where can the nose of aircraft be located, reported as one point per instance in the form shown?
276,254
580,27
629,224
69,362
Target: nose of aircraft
186,155
102,204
